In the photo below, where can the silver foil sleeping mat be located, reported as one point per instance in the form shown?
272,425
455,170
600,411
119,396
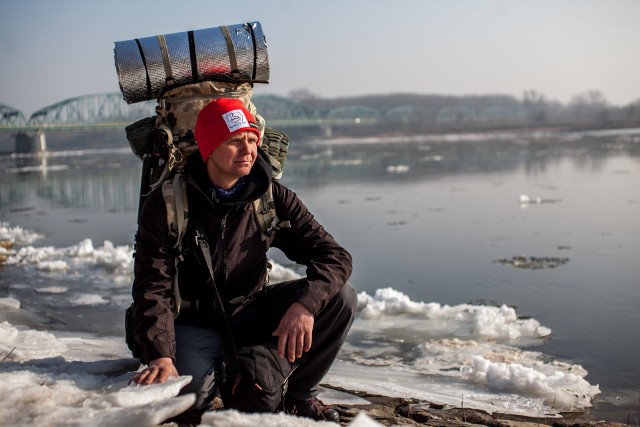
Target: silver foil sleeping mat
148,66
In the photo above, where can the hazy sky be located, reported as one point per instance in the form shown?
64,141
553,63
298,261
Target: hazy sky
51,50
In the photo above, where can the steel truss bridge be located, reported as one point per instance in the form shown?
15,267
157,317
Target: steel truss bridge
110,111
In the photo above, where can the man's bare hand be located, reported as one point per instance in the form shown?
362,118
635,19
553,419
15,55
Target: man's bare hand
158,371
294,332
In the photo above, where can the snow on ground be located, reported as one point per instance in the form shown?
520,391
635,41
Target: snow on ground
471,355
43,383
61,379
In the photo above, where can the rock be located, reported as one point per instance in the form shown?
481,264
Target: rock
6,244
390,411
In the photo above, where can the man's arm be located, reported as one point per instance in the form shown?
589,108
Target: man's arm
152,292
328,269
308,243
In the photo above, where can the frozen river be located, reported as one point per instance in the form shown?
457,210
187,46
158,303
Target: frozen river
500,268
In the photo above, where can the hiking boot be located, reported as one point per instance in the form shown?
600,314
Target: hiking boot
313,408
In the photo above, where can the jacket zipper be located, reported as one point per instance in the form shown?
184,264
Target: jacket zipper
223,224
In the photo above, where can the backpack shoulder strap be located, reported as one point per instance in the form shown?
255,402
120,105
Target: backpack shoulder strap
265,211
276,144
174,193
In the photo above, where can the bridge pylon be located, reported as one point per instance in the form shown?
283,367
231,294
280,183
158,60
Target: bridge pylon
31,142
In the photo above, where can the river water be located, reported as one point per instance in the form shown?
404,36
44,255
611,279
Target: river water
546,223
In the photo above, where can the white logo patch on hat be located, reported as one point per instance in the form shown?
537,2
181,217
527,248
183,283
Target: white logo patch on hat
235,119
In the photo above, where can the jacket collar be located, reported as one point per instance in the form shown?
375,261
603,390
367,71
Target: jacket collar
256,183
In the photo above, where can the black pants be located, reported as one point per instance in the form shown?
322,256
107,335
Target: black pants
198,349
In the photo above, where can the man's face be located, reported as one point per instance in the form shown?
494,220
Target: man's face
233,159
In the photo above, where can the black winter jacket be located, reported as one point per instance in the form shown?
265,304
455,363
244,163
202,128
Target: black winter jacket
238,254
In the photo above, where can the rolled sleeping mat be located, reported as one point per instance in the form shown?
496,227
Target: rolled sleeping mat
148,66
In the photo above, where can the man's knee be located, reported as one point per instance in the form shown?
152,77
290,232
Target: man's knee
349,298
204,387
344,305
197,350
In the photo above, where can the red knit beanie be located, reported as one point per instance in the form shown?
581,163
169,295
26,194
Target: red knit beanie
220,119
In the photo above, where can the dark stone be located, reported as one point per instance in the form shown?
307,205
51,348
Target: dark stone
391,411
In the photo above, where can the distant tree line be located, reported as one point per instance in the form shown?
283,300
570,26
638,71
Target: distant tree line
413,113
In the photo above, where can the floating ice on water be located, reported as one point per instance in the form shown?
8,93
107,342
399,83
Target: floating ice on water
31,255
8,305
451,342
435,158
82,259
481,320
525,200
52,290
280,273
398,169
347,162
17,234
388,301
88,299
429,351
499,322
564,390
52,266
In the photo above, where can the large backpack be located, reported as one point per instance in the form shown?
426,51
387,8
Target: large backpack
184,72
164,143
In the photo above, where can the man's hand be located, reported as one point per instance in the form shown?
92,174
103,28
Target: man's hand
294,332
158,371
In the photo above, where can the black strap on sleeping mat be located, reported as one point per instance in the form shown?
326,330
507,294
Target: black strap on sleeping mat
146,69
255,51
192,56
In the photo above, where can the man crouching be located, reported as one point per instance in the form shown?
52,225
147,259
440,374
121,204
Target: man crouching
284,337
